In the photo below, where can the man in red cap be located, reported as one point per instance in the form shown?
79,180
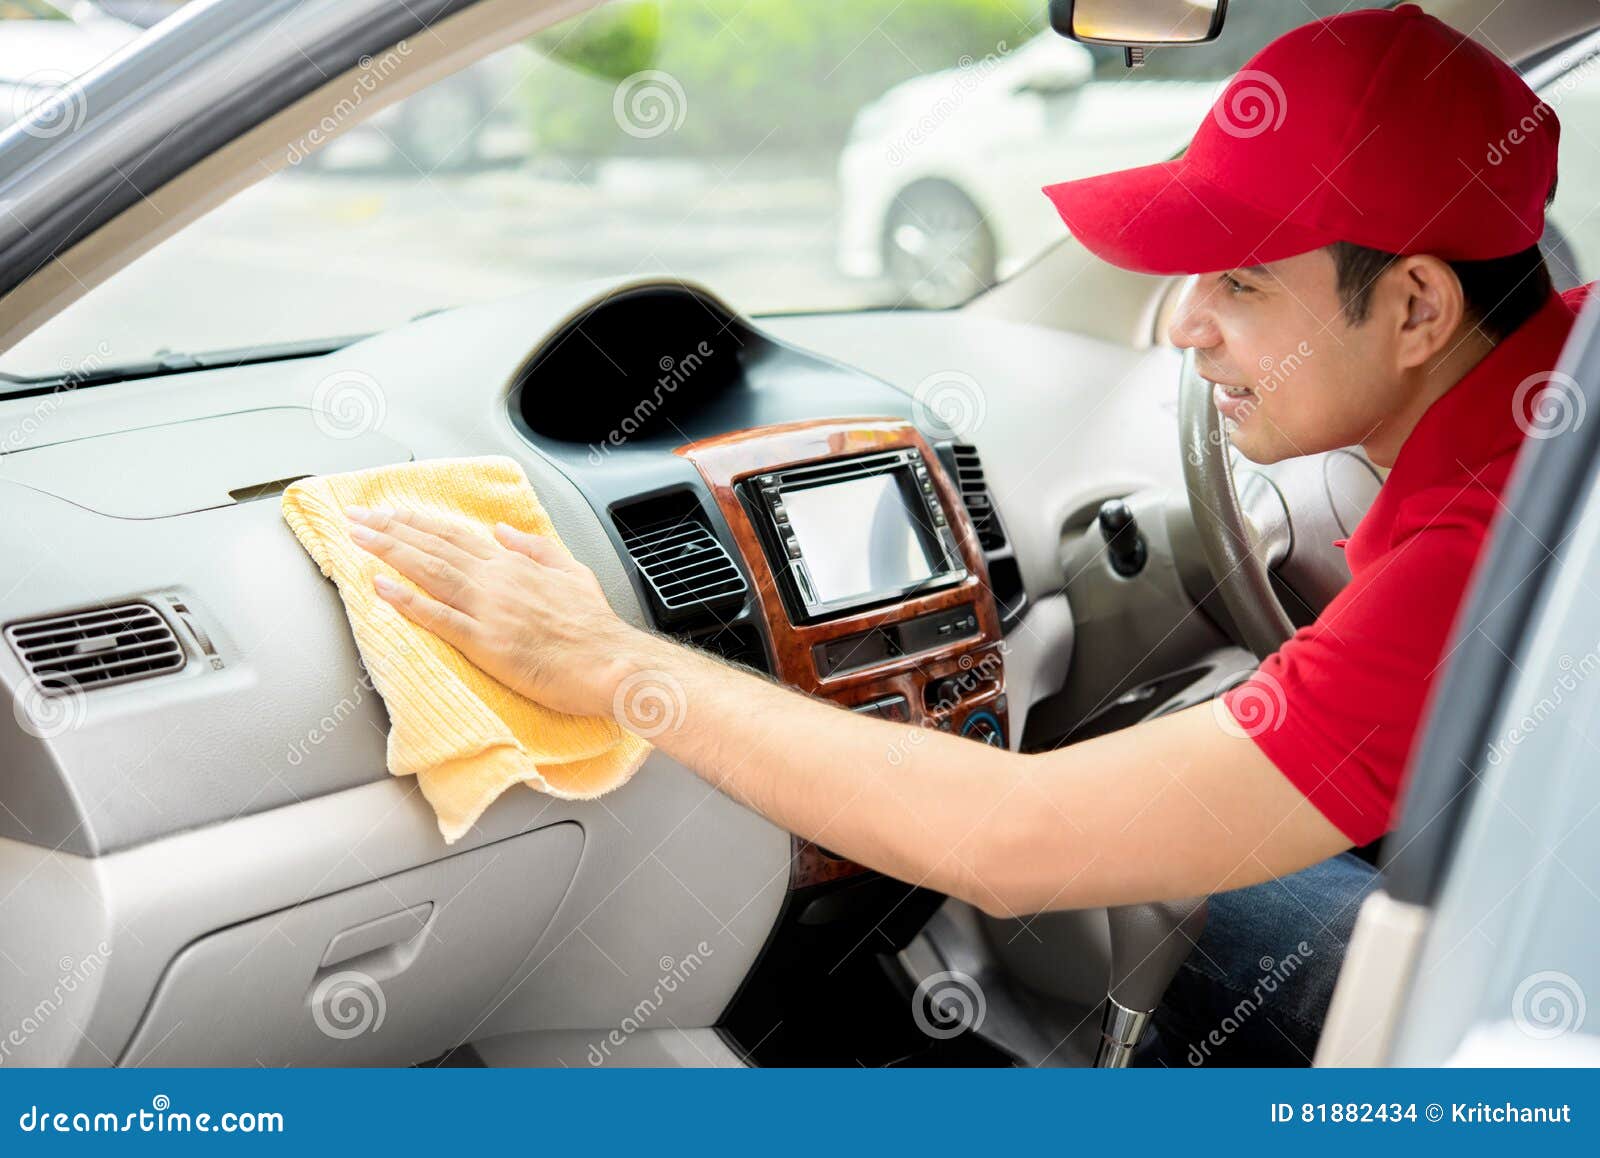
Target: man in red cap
1371,187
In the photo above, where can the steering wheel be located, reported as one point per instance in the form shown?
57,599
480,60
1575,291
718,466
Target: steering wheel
1243,541
1242,517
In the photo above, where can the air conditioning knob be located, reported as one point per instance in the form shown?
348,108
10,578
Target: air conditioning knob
985,728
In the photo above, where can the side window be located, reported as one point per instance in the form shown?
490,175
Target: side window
1572,230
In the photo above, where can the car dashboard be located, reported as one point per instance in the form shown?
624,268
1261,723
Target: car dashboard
195,788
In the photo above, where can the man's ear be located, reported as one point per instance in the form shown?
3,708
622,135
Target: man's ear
1432,308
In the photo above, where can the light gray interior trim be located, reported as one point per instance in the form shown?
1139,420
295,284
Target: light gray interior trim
1373,981
624,1046
141,757
668,865
397,969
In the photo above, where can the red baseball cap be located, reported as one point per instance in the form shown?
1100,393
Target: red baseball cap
1386,128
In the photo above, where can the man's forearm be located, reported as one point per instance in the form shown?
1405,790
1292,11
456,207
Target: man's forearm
914,803
1174,807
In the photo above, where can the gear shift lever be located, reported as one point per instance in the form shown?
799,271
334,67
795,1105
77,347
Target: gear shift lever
1148,944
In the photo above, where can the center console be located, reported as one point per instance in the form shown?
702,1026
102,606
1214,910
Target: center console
869,577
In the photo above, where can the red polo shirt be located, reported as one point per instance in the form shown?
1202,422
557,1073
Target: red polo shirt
1338,707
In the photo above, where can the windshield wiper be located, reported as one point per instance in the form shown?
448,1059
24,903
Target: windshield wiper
13,386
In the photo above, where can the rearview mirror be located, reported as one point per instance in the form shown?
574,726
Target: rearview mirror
1138,23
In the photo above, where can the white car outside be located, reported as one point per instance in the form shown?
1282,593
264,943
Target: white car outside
940,179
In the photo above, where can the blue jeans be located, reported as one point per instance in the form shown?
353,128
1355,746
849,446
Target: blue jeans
1257,986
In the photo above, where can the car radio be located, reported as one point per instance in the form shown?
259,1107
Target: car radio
852,532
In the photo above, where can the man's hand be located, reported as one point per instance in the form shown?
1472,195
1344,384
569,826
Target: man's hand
1175,807
518,606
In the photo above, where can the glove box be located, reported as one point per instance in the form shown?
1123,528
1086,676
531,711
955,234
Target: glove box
391,972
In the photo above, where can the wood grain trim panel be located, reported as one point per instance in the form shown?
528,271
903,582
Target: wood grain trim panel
725,460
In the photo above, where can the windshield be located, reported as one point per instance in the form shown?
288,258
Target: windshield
876,154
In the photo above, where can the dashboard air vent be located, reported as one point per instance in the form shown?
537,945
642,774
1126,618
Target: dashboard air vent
975,496
96,648
684,565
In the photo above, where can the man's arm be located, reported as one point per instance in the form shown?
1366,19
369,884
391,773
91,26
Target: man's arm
1175,807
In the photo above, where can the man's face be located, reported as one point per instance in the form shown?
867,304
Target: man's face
1290,371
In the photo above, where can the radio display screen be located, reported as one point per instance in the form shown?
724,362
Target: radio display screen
857,537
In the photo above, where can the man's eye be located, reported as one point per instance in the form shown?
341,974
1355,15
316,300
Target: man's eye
1233,285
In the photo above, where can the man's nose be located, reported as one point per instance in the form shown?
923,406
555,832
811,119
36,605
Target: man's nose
1193,323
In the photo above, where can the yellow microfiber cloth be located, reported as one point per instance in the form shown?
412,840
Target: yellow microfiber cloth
464,735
